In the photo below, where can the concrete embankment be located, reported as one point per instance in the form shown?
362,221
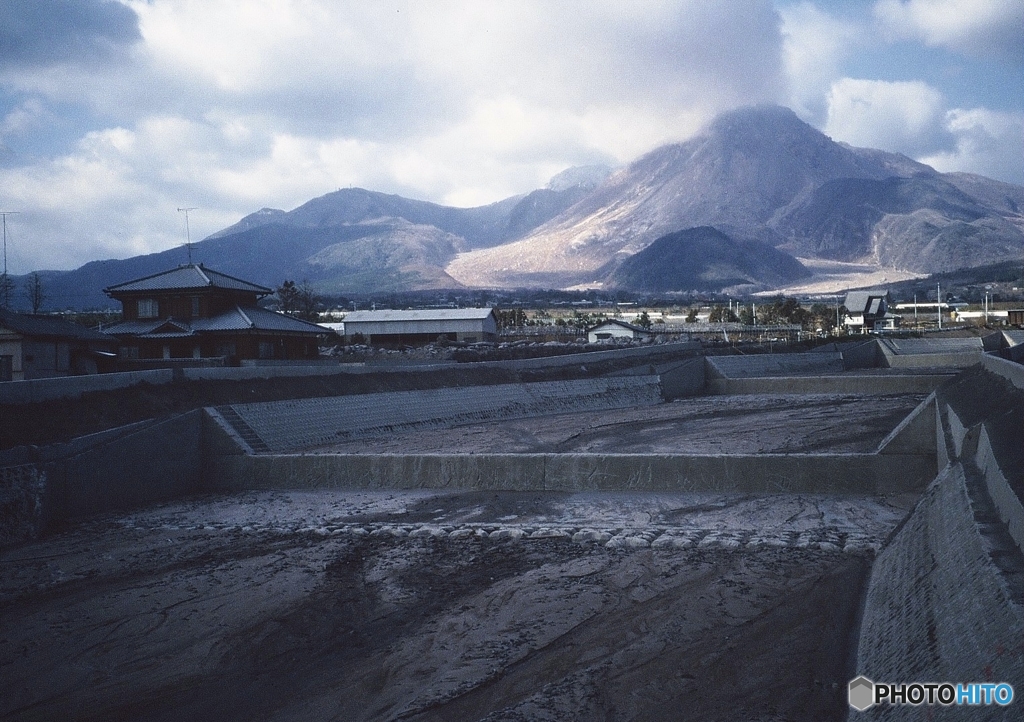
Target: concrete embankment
122,468
284,426
758,473
849,383
945,602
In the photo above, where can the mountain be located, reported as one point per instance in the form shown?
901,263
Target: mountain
762,173
705,259
349,241
753,176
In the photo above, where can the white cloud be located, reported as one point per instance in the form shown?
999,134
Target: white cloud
986,142
897,116
26,116
816,47
915,119
972,27
232,106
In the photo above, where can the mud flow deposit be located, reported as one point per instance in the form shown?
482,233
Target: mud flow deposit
433,606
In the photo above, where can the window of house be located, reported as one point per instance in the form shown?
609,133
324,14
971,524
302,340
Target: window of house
148,308
266,349
6,368
195,306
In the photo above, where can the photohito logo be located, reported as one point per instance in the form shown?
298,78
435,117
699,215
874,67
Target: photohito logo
864,693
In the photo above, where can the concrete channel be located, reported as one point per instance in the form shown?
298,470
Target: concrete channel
523,585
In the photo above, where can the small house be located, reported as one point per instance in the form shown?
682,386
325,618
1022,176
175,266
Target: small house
868,311
37,347
613,329
194,312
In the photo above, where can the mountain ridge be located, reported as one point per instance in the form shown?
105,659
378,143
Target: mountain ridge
756,174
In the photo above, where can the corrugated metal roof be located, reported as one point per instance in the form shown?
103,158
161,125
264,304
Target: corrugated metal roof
185,278
617,322
46,326
433,314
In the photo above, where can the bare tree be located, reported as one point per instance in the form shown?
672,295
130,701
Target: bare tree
6,289
34,292
309,303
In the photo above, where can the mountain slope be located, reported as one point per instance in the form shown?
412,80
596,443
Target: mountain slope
349,241
762,173
705,259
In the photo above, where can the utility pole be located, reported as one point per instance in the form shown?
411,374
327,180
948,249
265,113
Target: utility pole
5,214
938,302
188,237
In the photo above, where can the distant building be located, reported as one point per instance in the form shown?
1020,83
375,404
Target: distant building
868,311
1015,317
613,328
36,347
384,328
193,312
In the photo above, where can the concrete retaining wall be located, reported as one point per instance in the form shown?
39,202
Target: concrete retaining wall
1008,505
117,469
760,473
72,387
684,379
945,601
934,360
937,608
262,372
1012,372
778,364
862,355
877,385
284,426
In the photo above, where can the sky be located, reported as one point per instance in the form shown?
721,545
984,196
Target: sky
116,114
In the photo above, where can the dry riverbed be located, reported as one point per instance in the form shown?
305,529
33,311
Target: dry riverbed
434,606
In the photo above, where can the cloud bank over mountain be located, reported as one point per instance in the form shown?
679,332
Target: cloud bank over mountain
115,114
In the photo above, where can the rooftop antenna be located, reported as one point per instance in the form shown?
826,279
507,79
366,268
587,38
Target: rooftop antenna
188,237
5,214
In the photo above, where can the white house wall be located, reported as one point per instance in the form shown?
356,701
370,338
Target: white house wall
437,327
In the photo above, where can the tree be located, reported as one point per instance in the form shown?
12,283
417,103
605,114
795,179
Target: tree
309,303
34,292
288,297
643,320
6,289
691,317
720,314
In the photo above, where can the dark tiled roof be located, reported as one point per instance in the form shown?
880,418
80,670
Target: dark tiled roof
49,327
864,301
236,319
185,278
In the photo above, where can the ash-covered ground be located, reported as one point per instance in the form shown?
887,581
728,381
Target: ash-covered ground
747,424
440,606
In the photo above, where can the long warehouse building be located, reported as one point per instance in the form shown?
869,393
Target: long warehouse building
388,327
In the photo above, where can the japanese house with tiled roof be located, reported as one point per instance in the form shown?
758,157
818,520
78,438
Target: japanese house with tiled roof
39,347
194,312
